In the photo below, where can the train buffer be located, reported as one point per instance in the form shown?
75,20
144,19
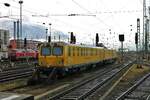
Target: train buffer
15,96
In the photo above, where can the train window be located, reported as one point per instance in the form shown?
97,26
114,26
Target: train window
81,51
96,52
69,51
73,50
45,51
86,52
77,51
89,52
58,51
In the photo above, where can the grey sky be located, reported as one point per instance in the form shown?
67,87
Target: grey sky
117,15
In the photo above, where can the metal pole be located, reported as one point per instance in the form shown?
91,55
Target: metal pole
20,2
18,34
46,34
137,60
144,15
50,33
122,51
14,31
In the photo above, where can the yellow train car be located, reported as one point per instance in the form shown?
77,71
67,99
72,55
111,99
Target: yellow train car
69,57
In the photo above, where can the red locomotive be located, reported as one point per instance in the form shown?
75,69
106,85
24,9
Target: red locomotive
22,54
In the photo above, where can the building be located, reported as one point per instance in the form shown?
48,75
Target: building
19,44
4,41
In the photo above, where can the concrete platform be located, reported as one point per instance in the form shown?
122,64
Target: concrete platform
15,96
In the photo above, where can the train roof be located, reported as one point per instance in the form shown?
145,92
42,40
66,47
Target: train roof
78,45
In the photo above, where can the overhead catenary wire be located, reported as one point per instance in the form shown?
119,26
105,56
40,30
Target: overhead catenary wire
89,12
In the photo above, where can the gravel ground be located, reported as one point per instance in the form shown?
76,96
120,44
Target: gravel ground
60,84
127,81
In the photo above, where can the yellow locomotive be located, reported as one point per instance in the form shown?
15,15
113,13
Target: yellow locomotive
65,57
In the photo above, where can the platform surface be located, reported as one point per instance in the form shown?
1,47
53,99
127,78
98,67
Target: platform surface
15,96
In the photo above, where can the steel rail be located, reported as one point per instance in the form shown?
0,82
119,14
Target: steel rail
15,74
82,90
126,94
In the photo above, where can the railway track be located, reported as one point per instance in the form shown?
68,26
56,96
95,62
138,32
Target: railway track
6,66
139,91
85,88
15,74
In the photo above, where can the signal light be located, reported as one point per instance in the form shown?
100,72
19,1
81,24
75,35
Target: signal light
121,37
97,39
49,39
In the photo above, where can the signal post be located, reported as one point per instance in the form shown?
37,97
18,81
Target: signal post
121,39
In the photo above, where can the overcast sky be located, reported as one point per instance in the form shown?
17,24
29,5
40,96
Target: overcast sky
100,16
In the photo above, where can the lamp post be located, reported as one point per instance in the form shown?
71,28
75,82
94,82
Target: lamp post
7,4
20,2
46,33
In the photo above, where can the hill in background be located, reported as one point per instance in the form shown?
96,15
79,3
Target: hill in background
33,31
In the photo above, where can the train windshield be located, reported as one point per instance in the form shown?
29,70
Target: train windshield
45,51
57,51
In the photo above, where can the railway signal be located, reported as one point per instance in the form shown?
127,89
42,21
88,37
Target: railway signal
97,39
121,39
25,42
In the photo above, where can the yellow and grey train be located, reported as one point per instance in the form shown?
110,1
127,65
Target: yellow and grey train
67,57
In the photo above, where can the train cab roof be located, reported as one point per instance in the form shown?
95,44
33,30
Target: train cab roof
68,44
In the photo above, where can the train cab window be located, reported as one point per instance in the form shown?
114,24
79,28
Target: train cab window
57,51
45,51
